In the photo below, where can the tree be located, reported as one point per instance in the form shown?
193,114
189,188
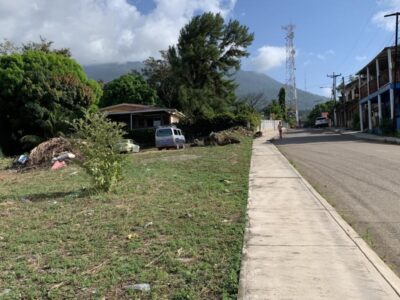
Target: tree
282,102
254,100
40,92
158,73
200,66
318,109
96,139
273,111
129,88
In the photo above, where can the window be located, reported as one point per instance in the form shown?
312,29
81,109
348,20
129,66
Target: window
164,132
176,132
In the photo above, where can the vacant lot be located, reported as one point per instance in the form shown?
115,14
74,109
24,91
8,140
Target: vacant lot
176,222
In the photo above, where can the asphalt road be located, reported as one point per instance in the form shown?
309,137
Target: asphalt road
360,179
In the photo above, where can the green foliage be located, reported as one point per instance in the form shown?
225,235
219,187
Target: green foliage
386,126
40,92
273,111
129,88
97,137
318,109
194,75
203,126
158,73
247,114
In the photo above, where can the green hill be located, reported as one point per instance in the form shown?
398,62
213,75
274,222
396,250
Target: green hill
248,82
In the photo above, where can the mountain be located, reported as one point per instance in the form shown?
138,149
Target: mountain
253,82
110,71
248,82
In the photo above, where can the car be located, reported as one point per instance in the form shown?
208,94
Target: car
169,137
126,146
321,122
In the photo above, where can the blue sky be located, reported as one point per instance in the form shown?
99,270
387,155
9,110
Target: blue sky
331,35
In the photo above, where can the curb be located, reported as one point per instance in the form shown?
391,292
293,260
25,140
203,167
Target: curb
388,275
382,140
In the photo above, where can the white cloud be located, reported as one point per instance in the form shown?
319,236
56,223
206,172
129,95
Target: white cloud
269,57
361,58
387,7
321,57
99,31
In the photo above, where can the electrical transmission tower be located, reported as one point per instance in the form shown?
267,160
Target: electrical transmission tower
291,91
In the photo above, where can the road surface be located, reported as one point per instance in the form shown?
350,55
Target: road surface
360,179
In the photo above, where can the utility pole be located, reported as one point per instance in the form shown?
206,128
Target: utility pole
290,70
395,102
334,76
344,104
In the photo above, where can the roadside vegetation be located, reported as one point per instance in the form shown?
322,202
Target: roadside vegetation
176,221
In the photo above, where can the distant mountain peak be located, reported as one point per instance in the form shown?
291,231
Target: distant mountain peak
248,82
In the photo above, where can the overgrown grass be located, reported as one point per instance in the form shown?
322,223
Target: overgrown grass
176,222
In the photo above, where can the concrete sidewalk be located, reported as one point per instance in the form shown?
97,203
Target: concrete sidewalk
297,246
368,136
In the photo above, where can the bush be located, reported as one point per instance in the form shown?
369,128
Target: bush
97,137
386,126
204,126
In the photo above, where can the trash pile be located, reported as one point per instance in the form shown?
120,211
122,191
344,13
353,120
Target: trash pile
54,153
223,138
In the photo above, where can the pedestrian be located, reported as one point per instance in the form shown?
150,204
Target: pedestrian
280,129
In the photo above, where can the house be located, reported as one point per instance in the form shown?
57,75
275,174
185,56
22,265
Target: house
139,116
373,90
348,109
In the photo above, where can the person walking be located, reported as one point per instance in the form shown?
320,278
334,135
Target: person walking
280,129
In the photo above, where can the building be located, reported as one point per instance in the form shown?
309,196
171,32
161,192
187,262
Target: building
374,91
138,116
348,109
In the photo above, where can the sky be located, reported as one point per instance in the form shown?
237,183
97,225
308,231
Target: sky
338,36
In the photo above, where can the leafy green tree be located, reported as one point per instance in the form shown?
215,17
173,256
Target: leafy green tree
158,73
97,137
318,109
200,66
282,102
273,111
40,92
129,88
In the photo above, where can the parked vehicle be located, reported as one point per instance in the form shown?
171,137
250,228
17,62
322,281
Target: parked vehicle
169,137
321,122
126,146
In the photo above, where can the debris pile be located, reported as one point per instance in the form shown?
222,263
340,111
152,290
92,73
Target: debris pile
222,138
52,151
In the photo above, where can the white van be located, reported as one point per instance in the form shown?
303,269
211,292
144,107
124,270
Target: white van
169,137
321,122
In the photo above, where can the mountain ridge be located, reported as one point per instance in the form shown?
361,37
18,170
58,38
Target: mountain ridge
248,82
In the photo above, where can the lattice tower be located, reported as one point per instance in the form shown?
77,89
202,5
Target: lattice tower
291,92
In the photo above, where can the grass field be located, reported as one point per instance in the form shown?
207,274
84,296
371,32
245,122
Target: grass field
176,222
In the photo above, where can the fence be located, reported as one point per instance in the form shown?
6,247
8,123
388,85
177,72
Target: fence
270,125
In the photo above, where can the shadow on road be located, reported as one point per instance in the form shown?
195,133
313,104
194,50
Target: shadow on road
307,136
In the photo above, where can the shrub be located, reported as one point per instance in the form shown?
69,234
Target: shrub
386,126
203,126
96,136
